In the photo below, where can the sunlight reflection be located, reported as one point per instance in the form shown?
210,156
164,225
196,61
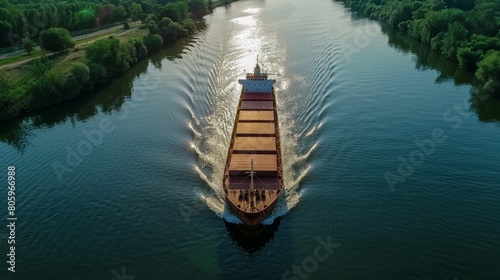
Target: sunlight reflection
252,10
246,21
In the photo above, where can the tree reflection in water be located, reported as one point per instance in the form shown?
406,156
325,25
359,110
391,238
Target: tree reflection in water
487,108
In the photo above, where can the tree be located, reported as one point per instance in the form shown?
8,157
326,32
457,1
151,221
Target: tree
104,52
98,74
171,11
105,13
169,33
164,22
453,38
48,89
39,67
483,18
198,7
189,25
28,45
118,14
210,6
489,71
153,42
125,57
5,30
140,49
56,39
438,21
467,58
136,12
153,27
76,79
5,83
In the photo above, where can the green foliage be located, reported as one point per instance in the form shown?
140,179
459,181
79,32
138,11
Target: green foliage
460,4
76,79
182,32
97,74
452,39
26,19
28,45
175,11
153,42
153,27
104,58
40,67
438,21
467,58
125,56
136,12
12,101
210,6
5,83
474,49
164,22
5,31
199,8
114,56
482,18
140,49
489,71
56,39
118,14
48,89
189,25
169,33
104,52
461,30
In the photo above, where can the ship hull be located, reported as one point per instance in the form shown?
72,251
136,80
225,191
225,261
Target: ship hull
253,180
251,219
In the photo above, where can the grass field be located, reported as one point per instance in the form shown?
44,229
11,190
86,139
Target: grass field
111,33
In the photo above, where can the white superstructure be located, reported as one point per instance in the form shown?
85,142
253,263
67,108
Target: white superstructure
257,81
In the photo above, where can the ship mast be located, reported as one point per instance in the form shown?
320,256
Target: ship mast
252,187
251,177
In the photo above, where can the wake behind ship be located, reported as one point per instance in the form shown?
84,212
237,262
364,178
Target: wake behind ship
253,175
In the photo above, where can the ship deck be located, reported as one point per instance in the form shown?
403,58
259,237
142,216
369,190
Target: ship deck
255,137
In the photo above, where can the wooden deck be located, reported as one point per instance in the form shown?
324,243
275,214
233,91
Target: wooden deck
255,128
255,144
241,162
256,116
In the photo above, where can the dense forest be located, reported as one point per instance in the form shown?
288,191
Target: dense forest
462,30
43,81
25,18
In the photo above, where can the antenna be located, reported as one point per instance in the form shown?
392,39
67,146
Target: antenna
251,185
251,177
257,59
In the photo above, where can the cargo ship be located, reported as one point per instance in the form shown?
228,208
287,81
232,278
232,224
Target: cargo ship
253,175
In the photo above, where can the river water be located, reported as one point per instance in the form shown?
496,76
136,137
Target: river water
392,169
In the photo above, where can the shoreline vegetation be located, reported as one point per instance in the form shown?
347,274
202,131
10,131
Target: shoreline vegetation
467,32
69,71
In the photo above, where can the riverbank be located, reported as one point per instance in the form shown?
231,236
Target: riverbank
43,82
60,77
467,33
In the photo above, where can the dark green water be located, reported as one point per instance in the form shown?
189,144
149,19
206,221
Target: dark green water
144,198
